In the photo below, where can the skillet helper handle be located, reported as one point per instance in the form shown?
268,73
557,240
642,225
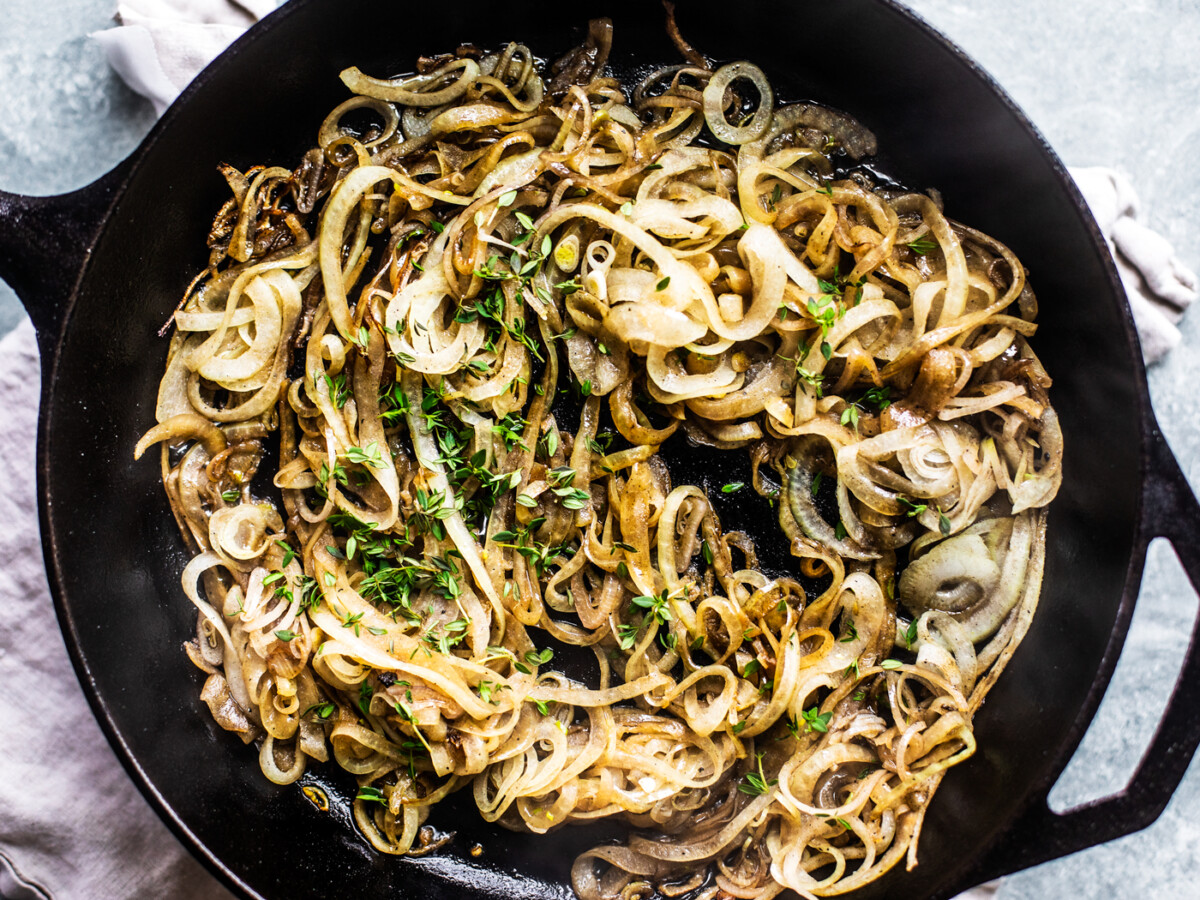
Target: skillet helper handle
45,243
1170,510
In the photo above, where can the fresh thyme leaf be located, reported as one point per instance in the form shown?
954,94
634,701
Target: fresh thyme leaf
658,607
879,397
816,380
539,658
922,246
365,693
367,456
288,553
561,476
816,721
320,710
627,635
573,498
371,794
755,783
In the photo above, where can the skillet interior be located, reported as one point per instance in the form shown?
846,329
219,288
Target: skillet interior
117,555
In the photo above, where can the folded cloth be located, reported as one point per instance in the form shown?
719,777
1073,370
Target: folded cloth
160,45
72,825
1158,285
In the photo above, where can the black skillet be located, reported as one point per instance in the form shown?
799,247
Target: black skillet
100,270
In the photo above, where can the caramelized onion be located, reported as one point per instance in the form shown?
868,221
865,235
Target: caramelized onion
428,314
715,103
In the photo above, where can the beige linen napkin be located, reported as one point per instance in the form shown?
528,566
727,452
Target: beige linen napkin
72,824
160,45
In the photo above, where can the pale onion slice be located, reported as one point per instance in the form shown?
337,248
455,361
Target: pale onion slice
331,128
714,103
411,315
228,370
408,91
183,427
651,323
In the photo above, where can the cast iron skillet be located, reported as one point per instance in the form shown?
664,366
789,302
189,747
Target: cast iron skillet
100,270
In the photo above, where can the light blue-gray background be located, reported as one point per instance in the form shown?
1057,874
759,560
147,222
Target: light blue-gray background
1109,82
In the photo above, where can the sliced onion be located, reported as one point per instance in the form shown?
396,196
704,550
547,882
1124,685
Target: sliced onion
185,426
804,508
331,128
963,576
714,103
408,90
653,324
429,456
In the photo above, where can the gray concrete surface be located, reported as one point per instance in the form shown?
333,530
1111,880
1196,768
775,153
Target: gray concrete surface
1109,82
65,118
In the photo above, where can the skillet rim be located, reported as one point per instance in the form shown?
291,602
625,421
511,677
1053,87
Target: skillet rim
126,172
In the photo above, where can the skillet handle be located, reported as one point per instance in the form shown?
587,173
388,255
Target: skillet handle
45,243
1170,510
